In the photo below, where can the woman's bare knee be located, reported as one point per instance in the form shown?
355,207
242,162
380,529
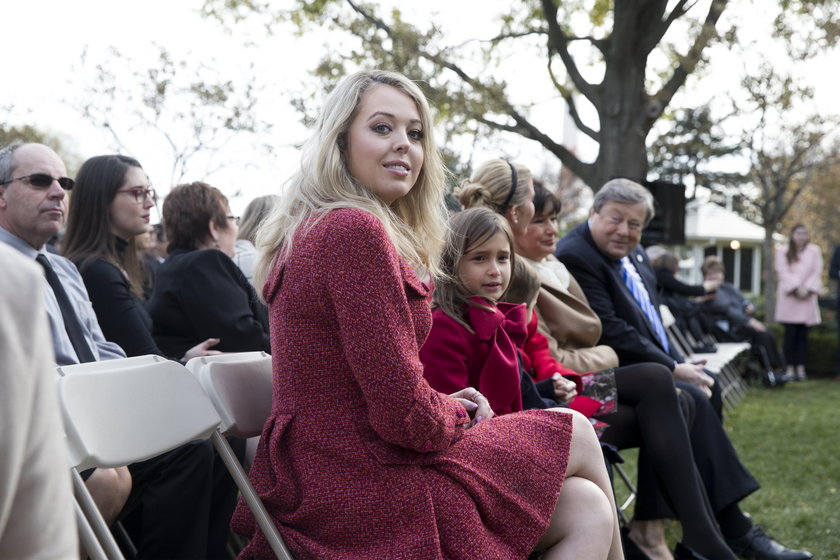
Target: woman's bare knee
109,489
582,518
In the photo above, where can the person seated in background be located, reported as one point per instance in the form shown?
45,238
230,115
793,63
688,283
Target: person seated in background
730,316
683,300
604,256
33,203
252,218
112,200
199,292
166,500
36,511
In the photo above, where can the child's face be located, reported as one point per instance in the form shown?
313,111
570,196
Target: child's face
484,270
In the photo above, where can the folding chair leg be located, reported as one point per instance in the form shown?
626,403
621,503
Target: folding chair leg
91,513
630,486
265,522
119,532
86,535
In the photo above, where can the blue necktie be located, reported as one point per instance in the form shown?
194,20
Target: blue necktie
634,284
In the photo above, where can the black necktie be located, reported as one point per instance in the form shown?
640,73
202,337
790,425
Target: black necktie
71,320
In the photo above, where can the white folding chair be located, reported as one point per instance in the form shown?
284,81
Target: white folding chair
239,386
118,412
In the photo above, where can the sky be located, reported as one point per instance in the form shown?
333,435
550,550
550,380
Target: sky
57,44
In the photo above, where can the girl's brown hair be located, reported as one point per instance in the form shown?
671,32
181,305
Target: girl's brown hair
468,229
524,284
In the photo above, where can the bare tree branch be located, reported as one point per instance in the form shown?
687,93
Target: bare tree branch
688,62
503,37
572,106
525,128
655,34
558,42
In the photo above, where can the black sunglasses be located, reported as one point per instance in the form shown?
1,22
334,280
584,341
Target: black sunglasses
43,181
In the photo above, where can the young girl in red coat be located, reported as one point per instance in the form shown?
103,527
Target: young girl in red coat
474,339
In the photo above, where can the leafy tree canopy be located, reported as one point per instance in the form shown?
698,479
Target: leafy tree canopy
623,60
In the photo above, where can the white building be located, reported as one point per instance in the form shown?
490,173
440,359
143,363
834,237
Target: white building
713,230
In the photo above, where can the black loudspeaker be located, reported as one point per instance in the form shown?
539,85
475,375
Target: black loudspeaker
668,224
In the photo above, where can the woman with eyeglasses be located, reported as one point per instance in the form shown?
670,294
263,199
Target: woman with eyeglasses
111,205
199,291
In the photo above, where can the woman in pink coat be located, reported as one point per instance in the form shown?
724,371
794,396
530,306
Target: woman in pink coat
360,457
799,270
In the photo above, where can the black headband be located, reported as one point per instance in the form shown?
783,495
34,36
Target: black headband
513,182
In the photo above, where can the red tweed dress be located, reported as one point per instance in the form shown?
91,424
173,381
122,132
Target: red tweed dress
360,458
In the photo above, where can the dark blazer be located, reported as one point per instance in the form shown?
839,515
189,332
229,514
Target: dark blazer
625,327
834,270
203,294
120,313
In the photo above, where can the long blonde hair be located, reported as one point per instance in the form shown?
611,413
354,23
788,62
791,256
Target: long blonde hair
416,223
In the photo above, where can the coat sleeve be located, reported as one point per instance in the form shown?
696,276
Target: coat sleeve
669,283
834,266
788,280
539,353
219,303
813,275
446,355
369,294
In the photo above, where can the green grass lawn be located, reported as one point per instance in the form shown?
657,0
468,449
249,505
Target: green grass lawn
790,440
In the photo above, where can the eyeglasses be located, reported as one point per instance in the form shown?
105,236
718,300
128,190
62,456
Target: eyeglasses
234,218
43,181
140,194
616,220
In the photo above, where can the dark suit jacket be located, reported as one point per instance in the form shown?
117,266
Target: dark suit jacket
203,294
625,326
834,270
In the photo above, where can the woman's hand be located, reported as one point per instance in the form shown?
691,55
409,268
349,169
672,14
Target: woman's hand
202,350
475,403
564,389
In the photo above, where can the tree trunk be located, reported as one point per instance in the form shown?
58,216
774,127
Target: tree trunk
624,106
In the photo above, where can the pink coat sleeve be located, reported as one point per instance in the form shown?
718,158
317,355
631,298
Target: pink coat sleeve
370,293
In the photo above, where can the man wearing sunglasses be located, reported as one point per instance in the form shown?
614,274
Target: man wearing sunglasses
33,204
170,492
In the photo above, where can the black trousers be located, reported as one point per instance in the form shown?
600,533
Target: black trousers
796,343
181,503
724,478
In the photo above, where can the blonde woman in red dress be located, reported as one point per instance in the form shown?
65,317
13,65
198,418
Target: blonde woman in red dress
360,458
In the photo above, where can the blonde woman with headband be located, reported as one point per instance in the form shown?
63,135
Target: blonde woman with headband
504,187
360,457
